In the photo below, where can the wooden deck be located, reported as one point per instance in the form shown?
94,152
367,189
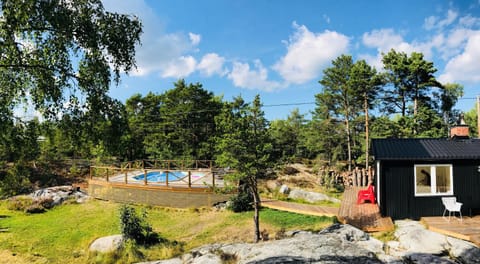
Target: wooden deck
365,216
468,229
300,208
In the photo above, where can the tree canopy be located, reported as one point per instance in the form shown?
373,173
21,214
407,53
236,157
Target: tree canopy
55,51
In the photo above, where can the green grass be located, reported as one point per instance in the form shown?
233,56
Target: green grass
63,234
289,220
303,201
64,231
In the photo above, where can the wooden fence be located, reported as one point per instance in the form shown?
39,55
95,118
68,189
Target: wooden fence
181,174
360,177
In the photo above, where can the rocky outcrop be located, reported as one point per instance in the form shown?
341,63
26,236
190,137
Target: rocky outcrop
340,244
59,194
311,197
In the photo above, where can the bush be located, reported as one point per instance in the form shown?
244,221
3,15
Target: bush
35,209
241,202
16,181
19,203
136,228
29,205
46,203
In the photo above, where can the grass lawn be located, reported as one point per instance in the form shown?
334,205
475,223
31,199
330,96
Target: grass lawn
63,234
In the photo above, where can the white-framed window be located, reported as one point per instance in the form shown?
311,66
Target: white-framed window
433,179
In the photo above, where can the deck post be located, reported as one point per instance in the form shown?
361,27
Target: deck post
166,178
107,175
145,177
213,180
126,175
189,179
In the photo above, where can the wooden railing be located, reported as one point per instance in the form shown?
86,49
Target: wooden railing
195,177
169,164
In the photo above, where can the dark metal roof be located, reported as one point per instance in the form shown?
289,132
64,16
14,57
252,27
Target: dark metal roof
425,149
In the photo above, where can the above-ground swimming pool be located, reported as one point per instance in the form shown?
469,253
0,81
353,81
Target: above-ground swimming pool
161,176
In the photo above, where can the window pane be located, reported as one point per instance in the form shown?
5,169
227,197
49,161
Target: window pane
423,179
443,179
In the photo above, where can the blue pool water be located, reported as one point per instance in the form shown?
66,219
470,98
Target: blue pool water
161,176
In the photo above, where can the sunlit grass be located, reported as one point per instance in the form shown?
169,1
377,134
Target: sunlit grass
63,234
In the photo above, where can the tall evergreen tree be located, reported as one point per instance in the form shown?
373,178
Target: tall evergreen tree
367,85
336,83
244,146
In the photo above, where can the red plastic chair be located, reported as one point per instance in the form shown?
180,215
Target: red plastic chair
366,195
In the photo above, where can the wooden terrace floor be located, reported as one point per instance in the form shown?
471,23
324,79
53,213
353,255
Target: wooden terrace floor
306,209
365,216
468,229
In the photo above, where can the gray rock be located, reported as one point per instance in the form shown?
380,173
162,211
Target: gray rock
463,251
284,189
414,238
426,259
59,194
311,197
168,261
346,232
303,247
107,244
273,185
341,244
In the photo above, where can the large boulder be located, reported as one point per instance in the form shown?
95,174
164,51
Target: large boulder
311,197
341,244
463,251
284,189
414,238
303,247
107,244
59,194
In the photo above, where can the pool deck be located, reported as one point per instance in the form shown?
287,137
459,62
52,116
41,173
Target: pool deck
205,180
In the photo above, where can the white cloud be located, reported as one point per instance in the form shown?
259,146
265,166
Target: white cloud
159,50
194,38
374,61
469,21
308,53
434,22
429,23
386,39
257,78
212,64
465,66
179,68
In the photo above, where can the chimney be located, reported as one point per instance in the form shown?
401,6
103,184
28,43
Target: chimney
460,130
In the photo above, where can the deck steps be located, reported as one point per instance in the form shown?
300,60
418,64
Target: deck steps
365,216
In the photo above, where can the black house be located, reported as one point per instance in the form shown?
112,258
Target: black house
413,174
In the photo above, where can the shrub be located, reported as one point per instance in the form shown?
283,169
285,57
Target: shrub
29,205
16,181
136,228
19,203
46,203
35,208
241,202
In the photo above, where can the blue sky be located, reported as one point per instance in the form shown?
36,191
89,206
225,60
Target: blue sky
279,48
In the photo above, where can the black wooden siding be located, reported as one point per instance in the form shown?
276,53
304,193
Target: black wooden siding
398,198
